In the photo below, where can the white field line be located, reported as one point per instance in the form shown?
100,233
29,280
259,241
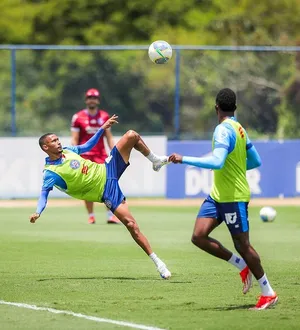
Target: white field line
83,316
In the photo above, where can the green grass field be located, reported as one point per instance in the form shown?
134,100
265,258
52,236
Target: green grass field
63,263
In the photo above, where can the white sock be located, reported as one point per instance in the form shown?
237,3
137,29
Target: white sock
109,214
153,158
155,258
266,289
91,214
238,262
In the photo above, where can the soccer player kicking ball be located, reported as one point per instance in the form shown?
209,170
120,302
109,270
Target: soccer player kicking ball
233,154
86,180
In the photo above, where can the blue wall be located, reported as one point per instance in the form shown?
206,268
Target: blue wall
276,177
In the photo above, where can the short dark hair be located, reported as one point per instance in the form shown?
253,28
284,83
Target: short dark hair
42,139
226,100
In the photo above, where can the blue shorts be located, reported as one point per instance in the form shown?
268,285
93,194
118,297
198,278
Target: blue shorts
235,214
115,167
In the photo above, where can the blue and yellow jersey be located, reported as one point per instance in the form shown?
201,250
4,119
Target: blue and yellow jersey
76,176
230,182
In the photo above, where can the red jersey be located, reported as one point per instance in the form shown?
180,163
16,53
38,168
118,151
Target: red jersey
87,126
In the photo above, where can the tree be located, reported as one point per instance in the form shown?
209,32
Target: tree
52,83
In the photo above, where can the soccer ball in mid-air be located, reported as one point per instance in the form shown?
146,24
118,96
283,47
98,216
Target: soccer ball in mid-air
160,52
267,214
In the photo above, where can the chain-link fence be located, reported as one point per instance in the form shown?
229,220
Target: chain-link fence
42,88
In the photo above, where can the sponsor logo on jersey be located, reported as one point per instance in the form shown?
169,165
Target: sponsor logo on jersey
91,130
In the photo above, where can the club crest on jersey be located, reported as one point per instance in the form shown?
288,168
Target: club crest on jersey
74,164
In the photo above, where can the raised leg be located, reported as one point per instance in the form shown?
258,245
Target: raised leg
132,139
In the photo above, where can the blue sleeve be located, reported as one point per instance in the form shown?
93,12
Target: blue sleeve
214,162
73,148
49,180
48,184
248,143
222,137
42,202
82,148
253,158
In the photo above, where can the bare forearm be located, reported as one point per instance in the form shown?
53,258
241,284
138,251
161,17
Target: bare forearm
109,139
74,142
111,144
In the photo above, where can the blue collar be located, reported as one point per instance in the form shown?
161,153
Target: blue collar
53,162
232,118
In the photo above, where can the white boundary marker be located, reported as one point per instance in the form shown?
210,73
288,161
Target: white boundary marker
83,316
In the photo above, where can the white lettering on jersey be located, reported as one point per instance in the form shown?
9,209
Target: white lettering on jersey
91,130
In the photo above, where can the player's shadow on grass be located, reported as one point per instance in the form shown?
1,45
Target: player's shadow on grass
118,278
226,308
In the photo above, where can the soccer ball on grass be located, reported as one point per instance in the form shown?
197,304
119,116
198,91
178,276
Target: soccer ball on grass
160,52
267,214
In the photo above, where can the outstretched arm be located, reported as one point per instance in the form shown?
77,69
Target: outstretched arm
50,179
253,158
222,142
214,162
42,202
82,148
109,139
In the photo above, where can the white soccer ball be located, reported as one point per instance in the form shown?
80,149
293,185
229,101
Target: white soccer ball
267,214
160,52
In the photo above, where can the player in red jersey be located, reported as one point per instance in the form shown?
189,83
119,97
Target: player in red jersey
85,124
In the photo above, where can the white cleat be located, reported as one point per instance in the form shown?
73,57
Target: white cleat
163,271
158,165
